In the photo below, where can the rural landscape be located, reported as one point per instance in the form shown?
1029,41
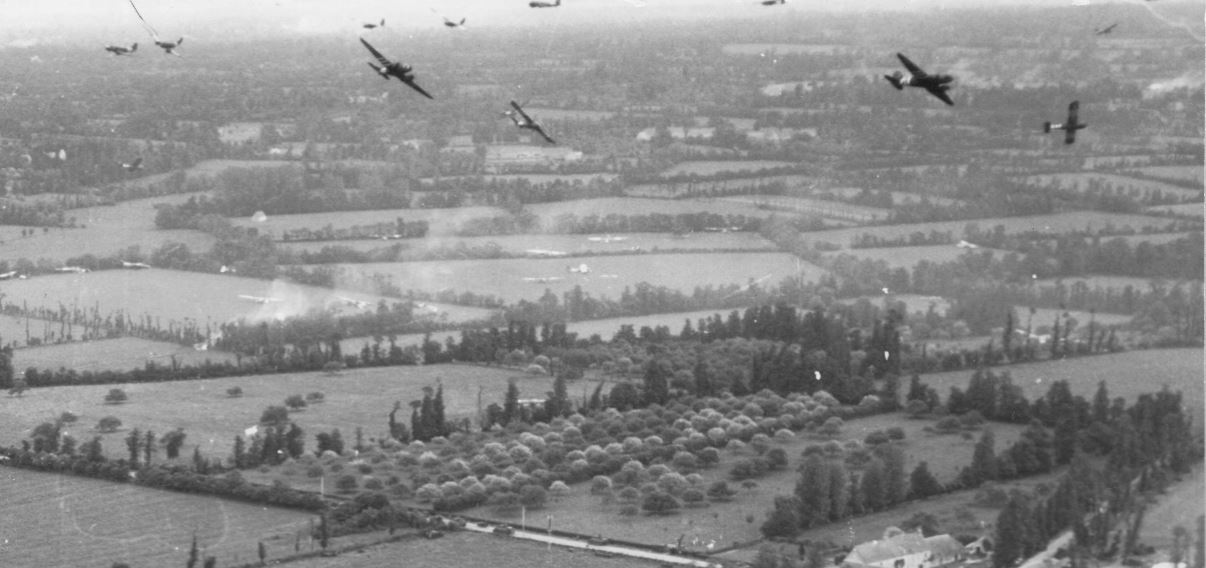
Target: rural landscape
603,283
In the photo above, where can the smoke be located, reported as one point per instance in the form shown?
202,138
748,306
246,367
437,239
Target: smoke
1189,79
283,300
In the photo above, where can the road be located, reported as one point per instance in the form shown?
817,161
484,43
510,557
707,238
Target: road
611,548
1045,557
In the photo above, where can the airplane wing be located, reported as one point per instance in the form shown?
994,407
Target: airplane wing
137,162
525,116
384,62
540,131
912,67
1069,136
416,87
1073,112
941,94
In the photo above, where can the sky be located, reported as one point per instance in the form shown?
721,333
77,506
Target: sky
52,21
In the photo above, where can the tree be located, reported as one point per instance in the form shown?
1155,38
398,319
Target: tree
1011,542
133,442
116,396
922,483
295,402
657,381
533,496
19,385
148,447
172,442
873,485
510,403
274,415
239,453
558,403
812,492
234,392
895,479
660,503
262,551
192,554
984,460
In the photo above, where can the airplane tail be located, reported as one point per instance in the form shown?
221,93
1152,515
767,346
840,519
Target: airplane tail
134,47
179,42
1046,127
462,22
895,79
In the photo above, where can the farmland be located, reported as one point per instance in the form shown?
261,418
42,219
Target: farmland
820,207
1191,174
73,521
442,222
717,167
608,276
908,257
642,206
1126,374
1127,186
572,245
211,419
1183,209
120,354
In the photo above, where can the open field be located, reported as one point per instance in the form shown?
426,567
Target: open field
465,549
121,354
211,419
813,206
57,520
608,276
1115,184
642,206
1103,281
908,257
898,197
535,178
57,245
1183,209
171,295
442,222
1127,374
914,303
1157,238
569,244
1054,224
1178,173
668,190
726,523
553,114
707,168
1181,505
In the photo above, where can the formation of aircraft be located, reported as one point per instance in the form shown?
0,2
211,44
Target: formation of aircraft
120,50
389,69
936,85
168,47
132,166
1071,126
522,120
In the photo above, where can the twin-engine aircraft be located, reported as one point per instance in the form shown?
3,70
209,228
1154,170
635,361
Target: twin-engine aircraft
936,85
120,50
1071,126
389,69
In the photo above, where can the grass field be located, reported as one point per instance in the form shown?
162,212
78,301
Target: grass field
670,190
1178,173
469,550
813,206
171,295
1102,281
1157,238
1134,187
641,206
570,244
55,520
1053,224
608,275
121,354
908,257
442,222
1181,505
726,523
1127,374
1184,209
359,397
707,168
898,197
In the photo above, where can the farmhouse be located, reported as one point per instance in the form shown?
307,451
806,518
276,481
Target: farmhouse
905,550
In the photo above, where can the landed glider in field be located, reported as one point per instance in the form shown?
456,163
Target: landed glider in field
387,69
936,85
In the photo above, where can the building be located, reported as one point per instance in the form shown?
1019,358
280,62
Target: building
900,549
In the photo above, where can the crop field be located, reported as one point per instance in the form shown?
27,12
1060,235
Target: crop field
179,296
725,523
120,354
470,550
813,206
1137,188
608,276
641,206
1183,209
1127,374
1053,224
707,168
908,257
1178,173
898,197
211,419
442,221
56,520
572,245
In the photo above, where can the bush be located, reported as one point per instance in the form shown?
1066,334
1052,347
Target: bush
947,425
108,424
234,392
876,438
116,396
896,433
314,471
346,483
315,397
274,415
295,402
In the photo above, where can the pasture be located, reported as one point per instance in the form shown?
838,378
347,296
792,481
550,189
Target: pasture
1127,374
120,354
442,222
669,190
726,522
608,275
641,206
709,168
1138,189
1060,223
211,419
470,550
1191,174
178,296
57,520
572,245
821,207
908,257
898,197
